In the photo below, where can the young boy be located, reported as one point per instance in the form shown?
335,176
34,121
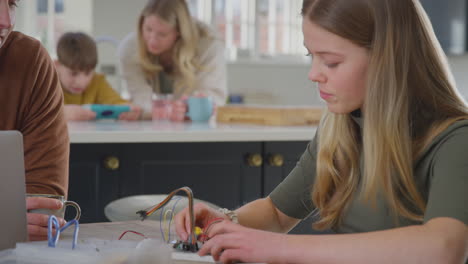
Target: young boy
77,59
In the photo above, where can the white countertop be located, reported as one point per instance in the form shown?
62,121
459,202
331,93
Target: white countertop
148,132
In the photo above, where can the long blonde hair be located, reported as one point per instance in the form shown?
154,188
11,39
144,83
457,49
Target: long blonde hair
186,62
410,98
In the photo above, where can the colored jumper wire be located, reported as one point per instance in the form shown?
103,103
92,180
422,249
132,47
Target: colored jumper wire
149,211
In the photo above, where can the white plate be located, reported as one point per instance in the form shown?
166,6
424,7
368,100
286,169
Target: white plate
125,209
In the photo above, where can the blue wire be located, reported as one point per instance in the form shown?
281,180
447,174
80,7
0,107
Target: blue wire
160,222
75,232
53,240
172,216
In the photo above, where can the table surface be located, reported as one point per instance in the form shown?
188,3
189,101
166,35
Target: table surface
113,230
151,132
104,238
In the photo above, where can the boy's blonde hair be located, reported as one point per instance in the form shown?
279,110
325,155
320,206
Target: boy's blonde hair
175,13
410,98
77,51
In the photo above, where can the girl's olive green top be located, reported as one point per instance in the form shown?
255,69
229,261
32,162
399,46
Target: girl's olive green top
441,175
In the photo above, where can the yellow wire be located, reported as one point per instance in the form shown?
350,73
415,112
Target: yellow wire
192,238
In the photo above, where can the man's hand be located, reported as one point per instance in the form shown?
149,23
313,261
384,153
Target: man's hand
37,223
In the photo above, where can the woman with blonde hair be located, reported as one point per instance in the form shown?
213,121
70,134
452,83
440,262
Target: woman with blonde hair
172,53
387,169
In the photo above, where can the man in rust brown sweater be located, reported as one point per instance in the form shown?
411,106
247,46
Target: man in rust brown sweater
31,102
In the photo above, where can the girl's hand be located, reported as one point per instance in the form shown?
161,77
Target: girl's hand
78,113
231,243
37,223
132,115
203,214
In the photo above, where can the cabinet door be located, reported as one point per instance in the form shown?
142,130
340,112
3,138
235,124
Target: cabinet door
91,184
279,160
275,172
216,172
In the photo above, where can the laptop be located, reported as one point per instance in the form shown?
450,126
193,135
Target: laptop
13,225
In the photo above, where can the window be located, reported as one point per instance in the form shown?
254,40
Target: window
42,6
202,9
253,28
35,19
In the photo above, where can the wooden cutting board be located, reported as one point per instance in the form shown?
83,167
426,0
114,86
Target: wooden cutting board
269,115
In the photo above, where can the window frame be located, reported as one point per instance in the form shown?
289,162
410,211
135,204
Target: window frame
250,28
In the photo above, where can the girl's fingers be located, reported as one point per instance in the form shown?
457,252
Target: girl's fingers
216,245
232,256
181,227
188,226
223,227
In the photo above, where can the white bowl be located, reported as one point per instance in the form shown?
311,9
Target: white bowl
125,209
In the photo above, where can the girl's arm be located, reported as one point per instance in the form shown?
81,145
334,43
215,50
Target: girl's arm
441,240
262,214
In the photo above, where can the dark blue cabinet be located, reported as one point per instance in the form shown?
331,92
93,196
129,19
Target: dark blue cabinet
228,174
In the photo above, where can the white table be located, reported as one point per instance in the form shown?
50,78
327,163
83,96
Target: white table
112,231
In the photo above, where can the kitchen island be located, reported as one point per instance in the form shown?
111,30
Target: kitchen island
164,132
225,164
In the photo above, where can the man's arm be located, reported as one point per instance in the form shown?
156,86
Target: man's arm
45,133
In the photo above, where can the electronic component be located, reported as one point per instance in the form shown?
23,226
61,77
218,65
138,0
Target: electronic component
190,245
186,246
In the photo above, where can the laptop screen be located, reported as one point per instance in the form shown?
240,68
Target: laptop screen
13,225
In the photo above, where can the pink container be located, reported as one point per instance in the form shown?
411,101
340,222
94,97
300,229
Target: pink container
162,106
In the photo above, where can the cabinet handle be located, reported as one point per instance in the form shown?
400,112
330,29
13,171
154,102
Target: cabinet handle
112,163
276,160
254,160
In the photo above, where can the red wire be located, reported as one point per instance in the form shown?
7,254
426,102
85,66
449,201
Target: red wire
204,236
131,231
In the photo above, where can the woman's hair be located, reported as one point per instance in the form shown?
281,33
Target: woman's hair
175,13
410,98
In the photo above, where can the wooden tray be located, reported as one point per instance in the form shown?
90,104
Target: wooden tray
269,115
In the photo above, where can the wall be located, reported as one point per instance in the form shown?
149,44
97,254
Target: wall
260,82
114,19
77,16
263,83
266,82
459,66
287,83
272,83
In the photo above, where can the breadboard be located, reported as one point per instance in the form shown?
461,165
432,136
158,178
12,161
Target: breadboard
269,115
